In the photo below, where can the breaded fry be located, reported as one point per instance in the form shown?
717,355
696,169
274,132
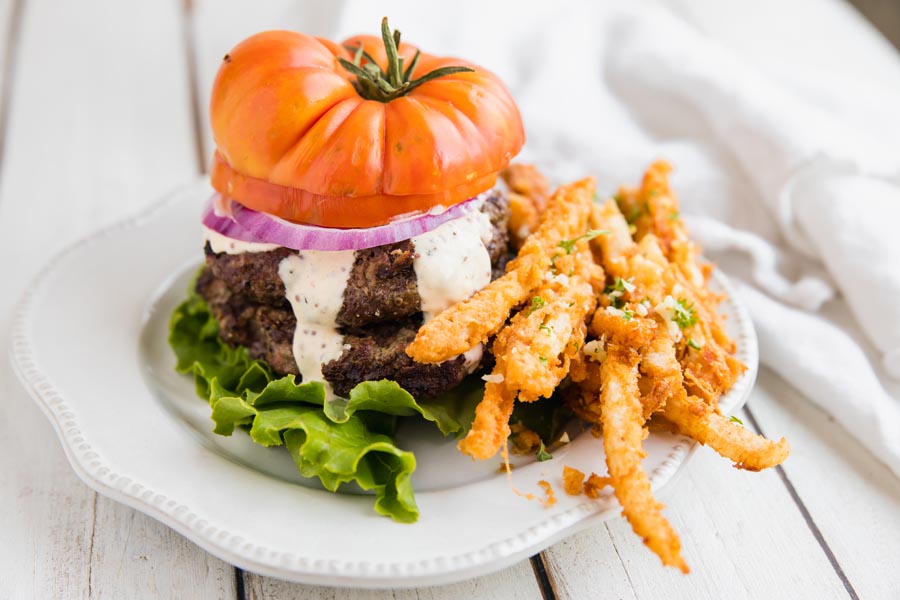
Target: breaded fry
623,436
614,248
529,191
662,372
636,332
523,218
491,425
542,338
696,419
529,182
463,325
658,344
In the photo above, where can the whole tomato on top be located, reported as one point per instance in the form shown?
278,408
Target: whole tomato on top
356,134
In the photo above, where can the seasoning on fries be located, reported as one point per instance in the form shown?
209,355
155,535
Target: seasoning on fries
612,297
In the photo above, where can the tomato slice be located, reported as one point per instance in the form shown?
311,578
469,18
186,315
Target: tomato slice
302,206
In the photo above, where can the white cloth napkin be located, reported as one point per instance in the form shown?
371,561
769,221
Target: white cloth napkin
789,180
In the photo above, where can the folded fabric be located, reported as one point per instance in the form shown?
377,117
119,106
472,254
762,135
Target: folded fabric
766,172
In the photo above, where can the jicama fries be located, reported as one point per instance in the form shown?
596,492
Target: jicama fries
623,436
611,295
469,323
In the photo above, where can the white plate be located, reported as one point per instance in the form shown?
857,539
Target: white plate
135,431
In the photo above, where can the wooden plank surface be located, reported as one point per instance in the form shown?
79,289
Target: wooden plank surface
853,500
739,532
98,128
516,582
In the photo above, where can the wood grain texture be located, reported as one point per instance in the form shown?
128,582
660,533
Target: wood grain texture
853,499
740,534
515,582
97,130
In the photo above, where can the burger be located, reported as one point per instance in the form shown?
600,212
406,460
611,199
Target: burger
355,198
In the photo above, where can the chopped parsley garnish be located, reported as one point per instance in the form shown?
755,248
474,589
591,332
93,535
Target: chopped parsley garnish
634,214
627,314
543,360
617,289
693,344
545,329
542,453
734,419
536,303
685,315
673,216
569,245
553,268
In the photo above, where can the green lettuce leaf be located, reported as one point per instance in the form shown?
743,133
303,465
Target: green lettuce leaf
243,392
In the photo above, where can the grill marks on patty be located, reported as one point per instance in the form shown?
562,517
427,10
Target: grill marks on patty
379,317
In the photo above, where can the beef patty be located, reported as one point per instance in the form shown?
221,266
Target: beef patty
379,317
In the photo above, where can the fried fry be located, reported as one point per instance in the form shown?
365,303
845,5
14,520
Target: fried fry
616,246
523,218
622,440
527,181
660,367
463,325
696,419
532,357
658,347
491,425
541,339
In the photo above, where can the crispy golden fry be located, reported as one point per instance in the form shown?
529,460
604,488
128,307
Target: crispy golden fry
696,419
524,218
527,181
542,338
491,425
528,196
623,436
661,370
468,323
473,321
659,345
634,333
616,246
532,357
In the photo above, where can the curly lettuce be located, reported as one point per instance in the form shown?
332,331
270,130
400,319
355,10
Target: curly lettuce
337,441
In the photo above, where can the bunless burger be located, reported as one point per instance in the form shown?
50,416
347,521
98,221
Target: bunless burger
355,199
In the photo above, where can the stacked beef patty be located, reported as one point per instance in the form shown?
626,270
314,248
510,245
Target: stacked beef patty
379,317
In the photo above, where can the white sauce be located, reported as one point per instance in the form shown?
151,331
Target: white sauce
314,282
221,243
452,263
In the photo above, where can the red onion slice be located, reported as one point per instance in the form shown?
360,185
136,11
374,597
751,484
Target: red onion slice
225,225
251,226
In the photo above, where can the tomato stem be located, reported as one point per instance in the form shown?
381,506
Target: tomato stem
374,84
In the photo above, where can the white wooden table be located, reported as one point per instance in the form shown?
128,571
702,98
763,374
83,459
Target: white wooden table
102,111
